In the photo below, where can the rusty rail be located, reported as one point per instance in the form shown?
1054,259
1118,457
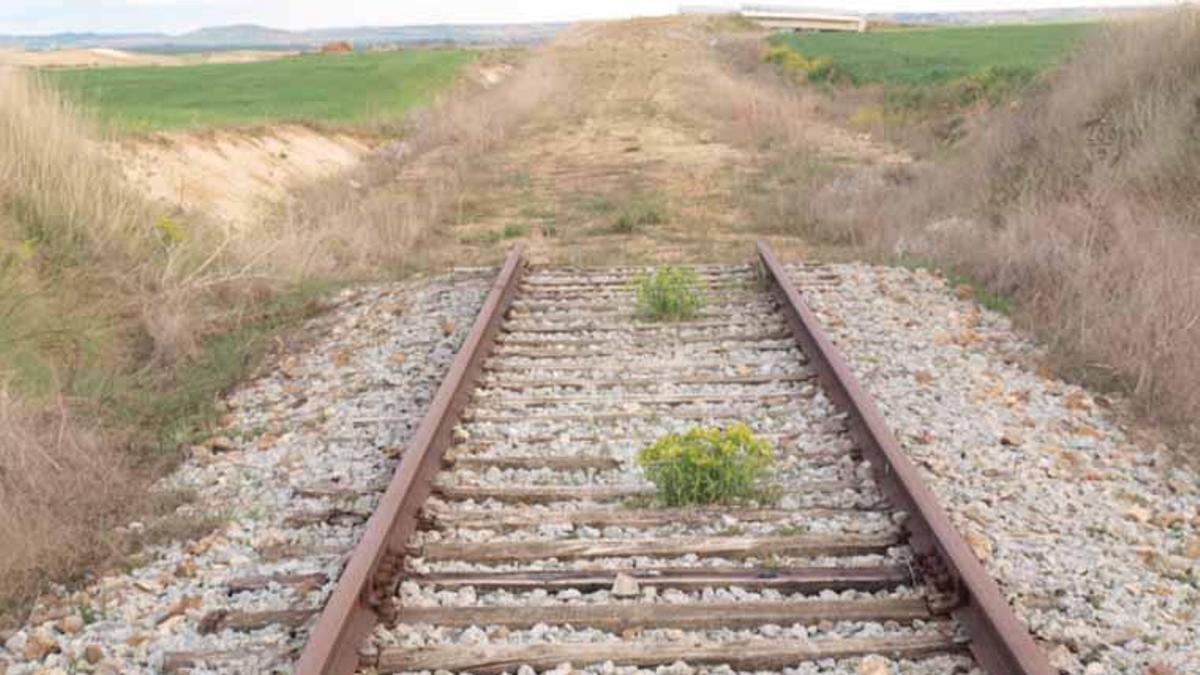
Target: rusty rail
359,599
999,641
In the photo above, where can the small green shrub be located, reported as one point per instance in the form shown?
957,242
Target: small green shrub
707,465
670,294
170,231
512,231
639,214
598,204
818,69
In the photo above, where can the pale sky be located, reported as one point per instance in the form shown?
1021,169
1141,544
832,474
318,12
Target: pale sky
176,16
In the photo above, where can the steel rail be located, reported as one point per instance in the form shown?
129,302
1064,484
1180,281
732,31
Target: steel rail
1001,644
361,596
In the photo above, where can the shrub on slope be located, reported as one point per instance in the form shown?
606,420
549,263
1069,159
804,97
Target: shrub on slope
1082,204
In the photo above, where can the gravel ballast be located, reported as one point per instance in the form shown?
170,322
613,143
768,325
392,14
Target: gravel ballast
333,415
607,386
1094,540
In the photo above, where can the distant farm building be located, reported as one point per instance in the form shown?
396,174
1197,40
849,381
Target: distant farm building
339,47
805,21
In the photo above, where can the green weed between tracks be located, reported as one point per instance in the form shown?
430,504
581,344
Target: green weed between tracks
708,465
670,294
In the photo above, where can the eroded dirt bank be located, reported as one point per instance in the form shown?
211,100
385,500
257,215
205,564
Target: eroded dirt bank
235,176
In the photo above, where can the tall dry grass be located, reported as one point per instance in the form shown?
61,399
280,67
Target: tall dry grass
1082,204
377,216
87,266
758,108
54,184
63,486
104,301
80,267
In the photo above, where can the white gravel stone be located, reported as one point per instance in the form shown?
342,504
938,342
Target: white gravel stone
1093,538
810,431
336,412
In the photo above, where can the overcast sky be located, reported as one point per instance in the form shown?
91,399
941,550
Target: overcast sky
175,16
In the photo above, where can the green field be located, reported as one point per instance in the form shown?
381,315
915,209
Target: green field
932,56
343,88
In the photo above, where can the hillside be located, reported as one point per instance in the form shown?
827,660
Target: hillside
139,339
249,36
1077,204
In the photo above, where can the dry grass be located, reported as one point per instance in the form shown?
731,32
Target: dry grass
1082,205
795,152
374,218
62,488
53,183
119,325
77,245
91,291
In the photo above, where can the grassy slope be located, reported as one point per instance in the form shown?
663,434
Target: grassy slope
327,88
939,55
115,338
1078,208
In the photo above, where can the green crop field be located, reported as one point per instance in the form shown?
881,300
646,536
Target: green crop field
341,88
932,56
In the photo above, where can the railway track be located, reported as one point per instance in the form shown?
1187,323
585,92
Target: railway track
517,531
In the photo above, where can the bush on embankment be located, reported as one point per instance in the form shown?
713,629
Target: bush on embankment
1081,203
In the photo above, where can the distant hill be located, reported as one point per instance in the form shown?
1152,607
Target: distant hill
965,18
240,34
250,36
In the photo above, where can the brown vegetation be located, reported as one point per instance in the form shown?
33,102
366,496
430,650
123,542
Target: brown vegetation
89,287
593,152
374,218
62,488
119,324
1082,204
103,302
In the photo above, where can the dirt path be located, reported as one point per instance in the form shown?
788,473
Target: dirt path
646,148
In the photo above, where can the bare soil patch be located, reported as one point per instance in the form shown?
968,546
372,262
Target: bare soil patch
235,176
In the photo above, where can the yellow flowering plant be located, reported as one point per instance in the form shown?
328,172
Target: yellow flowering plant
707,465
